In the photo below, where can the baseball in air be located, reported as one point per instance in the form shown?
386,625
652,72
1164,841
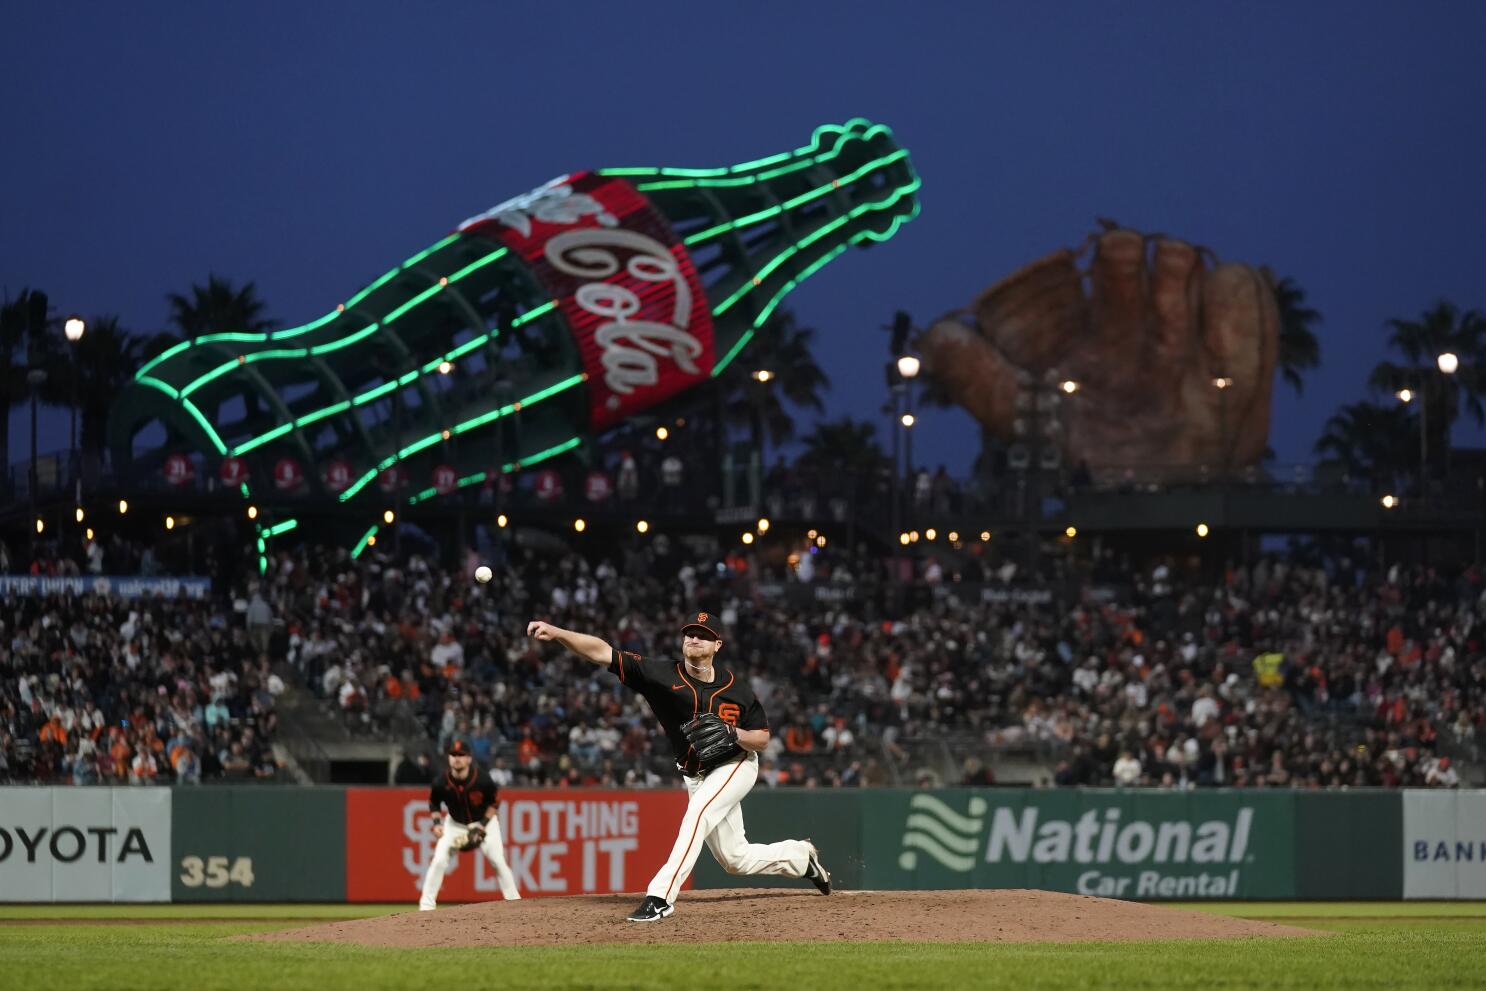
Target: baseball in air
483,574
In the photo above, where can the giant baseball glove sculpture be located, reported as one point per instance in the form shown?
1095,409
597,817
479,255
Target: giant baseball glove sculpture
1147,333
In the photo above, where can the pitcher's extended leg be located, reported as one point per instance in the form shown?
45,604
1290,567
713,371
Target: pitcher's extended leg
729,844
711,800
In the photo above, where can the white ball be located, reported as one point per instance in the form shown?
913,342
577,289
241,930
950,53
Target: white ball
483,574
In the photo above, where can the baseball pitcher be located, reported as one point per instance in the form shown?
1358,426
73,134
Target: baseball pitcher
469,795
717,728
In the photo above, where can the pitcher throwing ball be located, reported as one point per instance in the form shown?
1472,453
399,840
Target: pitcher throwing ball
469,795
717,728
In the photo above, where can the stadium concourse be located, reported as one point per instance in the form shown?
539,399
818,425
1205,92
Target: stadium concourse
1326,674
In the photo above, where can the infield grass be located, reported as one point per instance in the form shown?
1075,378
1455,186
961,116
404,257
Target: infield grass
1370,945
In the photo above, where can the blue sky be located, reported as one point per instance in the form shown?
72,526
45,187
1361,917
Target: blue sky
306,147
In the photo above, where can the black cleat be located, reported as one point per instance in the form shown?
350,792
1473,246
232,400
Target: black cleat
652,909
816,873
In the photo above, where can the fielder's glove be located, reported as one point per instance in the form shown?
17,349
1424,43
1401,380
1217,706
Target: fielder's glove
473,838
713,741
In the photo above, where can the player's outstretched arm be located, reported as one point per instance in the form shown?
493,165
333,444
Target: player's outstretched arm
589,648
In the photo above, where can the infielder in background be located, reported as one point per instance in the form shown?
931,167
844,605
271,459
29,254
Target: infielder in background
717,728
469,795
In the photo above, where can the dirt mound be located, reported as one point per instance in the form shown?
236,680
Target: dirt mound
774,915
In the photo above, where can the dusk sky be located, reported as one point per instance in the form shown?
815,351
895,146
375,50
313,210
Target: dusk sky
308,147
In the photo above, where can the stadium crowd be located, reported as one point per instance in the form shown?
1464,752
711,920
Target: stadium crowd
103,690
1326,674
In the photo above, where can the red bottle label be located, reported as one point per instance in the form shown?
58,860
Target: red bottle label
623,280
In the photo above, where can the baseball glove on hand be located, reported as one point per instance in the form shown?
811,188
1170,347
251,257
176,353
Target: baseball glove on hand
714,741
473,838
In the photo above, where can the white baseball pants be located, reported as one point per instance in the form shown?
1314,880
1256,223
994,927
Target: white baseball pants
714,815
454,834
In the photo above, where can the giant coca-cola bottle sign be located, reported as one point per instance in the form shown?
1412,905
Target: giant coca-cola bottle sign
622,279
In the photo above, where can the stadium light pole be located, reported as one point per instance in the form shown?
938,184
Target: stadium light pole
73,330
1406,396
1222,383
894,390
35,378
1448,363
908,367
397,415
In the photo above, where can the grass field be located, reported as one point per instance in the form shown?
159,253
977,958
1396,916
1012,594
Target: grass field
1369,945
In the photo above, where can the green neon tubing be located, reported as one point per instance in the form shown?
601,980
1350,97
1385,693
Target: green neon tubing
815,143
344,342
540,456
279,528
816,235
428,251
262,439
361,544
169,352
476,265
431,291
817,265
155,383
282,335
841,142
800,200
382,281
534,398
190,407
382,390
551,452
768,309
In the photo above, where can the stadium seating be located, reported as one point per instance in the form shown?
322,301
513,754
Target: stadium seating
1327,674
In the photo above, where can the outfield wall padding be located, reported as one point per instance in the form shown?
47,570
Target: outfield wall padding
258,844
331,844
1347,845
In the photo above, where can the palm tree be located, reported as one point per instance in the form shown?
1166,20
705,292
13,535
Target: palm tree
217,307
843,459
1300,351
23,348
845,448
1440,329
1370,441
782,349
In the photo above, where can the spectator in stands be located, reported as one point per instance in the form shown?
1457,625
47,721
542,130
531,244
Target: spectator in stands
1441,774
447,654
975,774
260,621
798,736
1126,770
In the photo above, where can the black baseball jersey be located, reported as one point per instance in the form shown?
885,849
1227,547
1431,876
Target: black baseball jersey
677,698
467,799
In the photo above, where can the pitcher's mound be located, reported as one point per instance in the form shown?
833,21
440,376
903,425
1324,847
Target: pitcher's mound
774,915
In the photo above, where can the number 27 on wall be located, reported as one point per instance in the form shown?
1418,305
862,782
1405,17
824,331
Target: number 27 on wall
214,872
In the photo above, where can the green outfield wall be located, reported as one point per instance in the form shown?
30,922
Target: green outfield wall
278,844
258,844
